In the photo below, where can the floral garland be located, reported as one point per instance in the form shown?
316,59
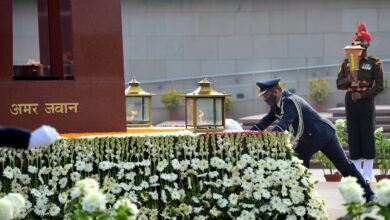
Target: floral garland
242,175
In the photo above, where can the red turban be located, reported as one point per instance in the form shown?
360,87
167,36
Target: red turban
362,33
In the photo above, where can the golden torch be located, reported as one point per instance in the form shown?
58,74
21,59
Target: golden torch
353,53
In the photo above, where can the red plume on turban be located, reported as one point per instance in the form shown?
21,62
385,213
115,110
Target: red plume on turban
362,32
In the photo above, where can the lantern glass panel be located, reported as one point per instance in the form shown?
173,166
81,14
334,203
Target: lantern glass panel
137,110
190,111
209,112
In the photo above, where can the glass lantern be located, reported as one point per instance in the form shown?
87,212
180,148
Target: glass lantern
205,109
138,105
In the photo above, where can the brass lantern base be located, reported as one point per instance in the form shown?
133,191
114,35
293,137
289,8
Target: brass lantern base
139,125
199,130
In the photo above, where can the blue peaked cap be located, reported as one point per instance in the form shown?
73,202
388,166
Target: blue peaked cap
267,85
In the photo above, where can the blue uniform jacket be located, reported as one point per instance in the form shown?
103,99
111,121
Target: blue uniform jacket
299,118
14,137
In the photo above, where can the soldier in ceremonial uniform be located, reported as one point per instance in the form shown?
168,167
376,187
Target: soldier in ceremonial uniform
362,87
23,139
311,132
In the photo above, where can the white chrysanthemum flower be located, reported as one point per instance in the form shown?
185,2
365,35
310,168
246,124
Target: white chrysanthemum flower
241,164
233,199
340,122
351,190
63,182
40,210
378,130
35,192
75,176
144,184
75,192
54,210
42,200
175,164
128,165
8,172
145,163
169,177
154,195
153,179
163,196
16,172
383,192
94,201
291,217
106,165
32,169
56,171
186,209
299,210
184,165
215,212
18,202
147,171
24,179
257,195
63,197
227,182
130,176
203,165
213,174
143,217
222,203
116,188
175,194
88,167
88,183
217,196
111,198
195,163
236,180
6,209
162,165
80,165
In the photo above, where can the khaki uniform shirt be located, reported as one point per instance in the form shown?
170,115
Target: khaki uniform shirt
371,71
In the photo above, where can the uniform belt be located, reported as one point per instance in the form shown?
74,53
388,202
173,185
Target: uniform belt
362,86
357,89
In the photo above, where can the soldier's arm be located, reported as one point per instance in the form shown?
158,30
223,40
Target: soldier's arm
14,137
378,85
264,122
342,78
290,114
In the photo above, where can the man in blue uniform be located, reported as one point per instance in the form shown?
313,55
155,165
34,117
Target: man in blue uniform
311,132
23,139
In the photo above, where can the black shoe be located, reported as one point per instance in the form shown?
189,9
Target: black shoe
370,198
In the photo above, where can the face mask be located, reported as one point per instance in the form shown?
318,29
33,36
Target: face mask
271,100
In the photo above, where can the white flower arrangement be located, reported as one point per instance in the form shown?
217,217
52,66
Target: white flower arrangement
247,175
352,193
11,206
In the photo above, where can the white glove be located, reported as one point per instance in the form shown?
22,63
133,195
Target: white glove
42,136
232,125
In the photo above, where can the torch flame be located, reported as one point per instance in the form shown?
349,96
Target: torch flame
32,62
133,114
201,116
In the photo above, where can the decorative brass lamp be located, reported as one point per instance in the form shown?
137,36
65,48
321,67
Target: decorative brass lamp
353,53
205,109
138,105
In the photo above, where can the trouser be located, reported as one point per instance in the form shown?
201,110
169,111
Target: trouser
360,127
336,154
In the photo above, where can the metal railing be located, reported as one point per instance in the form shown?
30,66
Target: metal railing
245,73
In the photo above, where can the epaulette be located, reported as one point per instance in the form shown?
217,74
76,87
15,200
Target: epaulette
373,58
